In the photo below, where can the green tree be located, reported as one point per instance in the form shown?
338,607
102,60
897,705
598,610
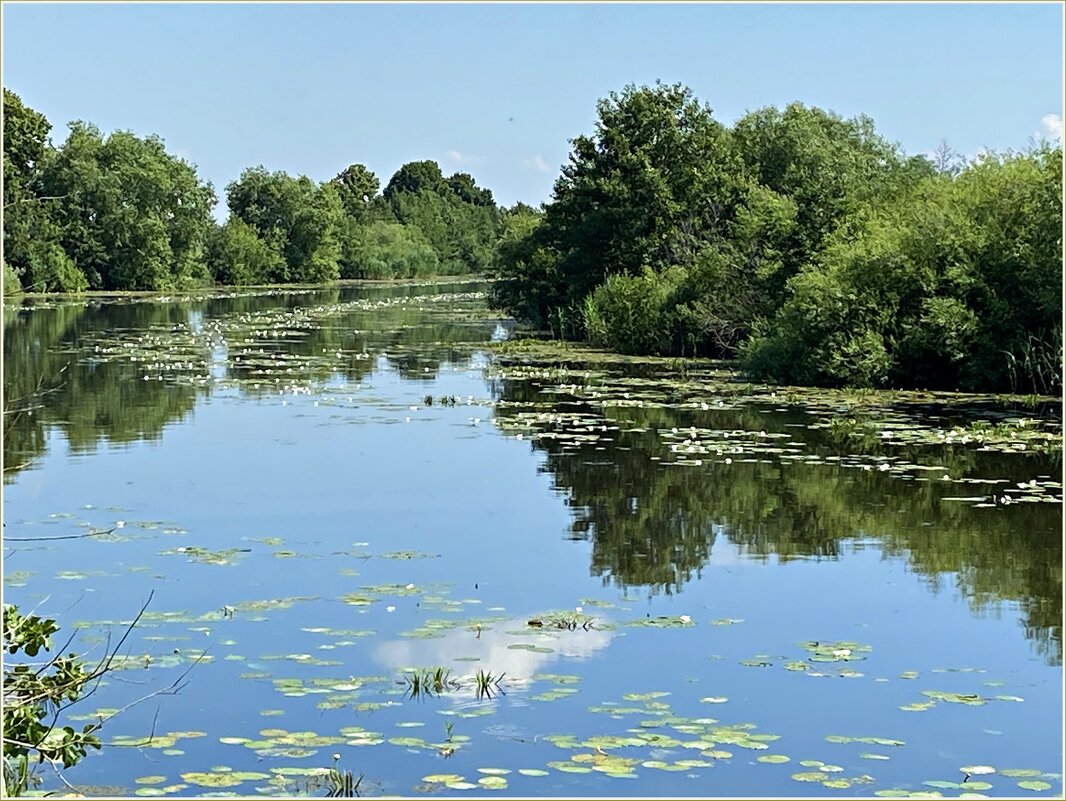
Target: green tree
827,166
237,255
955,284
357,187
33,255
415,177
654,185
131,215
458,218
298,217
388,250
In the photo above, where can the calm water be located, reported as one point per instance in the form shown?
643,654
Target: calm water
746,579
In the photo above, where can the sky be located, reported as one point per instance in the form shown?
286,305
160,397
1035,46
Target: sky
498,90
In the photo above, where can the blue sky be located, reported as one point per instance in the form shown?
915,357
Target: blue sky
497,90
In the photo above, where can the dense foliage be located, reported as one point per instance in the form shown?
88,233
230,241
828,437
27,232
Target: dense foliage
121,213
801,242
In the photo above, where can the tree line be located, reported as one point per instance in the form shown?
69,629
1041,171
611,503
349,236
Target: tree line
119,212
803,244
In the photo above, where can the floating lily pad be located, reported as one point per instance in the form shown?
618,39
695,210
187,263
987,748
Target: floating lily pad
810,776
1034,785
533,772
774,759
150,780
211,779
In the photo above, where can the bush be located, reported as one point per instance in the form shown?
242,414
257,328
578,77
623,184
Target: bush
12,284
237,255
630,314
387,250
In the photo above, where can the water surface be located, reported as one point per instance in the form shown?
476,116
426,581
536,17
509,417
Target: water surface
323,489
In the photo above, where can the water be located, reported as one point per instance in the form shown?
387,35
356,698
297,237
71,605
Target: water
307,525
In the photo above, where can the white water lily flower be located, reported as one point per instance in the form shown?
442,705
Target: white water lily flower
409,587
685,619
390,608
842,652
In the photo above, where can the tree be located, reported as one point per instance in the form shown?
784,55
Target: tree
33,255
467,190
655,183
458,218
357,187
946,160
954,285
388,250
25,145
131,216
299,218
237,255
826,165
415,177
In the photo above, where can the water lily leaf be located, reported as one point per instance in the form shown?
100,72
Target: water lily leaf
1019,773
493,782
460,785
956,698
533,772
149,791
976,786
874,756
714,699
1034,785
837,784
150,780
774,759
211,779
569,767
977,770
942,785
494,771
440,778
810,776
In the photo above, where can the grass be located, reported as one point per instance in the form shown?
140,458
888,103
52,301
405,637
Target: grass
429,682
487,684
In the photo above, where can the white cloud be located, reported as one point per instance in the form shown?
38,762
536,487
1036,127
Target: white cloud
461,158
492,649
1051,127
537,163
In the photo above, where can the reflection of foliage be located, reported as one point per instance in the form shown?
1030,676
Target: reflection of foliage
48,379
653,520
122,371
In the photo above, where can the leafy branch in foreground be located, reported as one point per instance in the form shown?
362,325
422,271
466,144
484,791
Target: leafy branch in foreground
36,694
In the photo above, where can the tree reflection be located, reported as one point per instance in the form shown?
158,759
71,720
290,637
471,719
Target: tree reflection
652,522
120,371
